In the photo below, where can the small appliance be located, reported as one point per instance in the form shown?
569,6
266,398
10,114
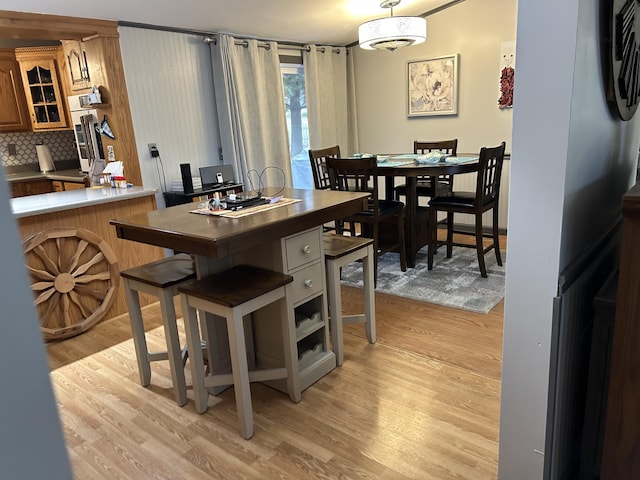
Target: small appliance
86,128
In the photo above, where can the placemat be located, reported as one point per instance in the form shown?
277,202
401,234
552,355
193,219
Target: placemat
243,212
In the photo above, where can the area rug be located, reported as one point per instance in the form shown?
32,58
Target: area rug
453,282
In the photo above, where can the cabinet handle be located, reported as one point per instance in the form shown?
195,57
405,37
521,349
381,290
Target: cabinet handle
308,282
306,249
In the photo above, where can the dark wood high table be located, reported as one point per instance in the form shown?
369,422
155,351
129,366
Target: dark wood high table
287,239
416,221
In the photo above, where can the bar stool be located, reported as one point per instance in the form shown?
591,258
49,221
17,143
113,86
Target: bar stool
233,294
160,279
339,251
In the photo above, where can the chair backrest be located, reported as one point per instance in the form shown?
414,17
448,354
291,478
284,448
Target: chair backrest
489,173
318,160
445,146
355,175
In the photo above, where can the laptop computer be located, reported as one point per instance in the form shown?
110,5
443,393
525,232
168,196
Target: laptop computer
215,176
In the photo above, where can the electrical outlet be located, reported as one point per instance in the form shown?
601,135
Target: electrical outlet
152,147
12,149
111,156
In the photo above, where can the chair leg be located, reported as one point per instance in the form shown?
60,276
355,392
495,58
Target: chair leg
433,236
137,329
196,360
449,234
335,310
174,351
240,370
496,236
479,246
403,249
369,296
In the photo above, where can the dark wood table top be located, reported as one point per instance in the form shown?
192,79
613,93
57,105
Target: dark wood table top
427,169
218,237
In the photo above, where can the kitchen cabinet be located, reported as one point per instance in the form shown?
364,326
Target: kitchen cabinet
43,91
14,116
31,187
77,66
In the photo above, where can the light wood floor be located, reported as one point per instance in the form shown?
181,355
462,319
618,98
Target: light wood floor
422,403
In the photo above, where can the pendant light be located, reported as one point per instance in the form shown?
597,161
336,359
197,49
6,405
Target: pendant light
391,33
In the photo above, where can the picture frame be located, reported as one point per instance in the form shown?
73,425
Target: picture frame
432,86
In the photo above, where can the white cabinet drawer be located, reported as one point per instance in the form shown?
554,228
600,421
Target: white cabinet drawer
307,282
302,249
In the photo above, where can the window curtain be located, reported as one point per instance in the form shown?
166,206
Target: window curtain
251,112
330,91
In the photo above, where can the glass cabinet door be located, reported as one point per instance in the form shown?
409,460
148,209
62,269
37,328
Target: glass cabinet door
43,94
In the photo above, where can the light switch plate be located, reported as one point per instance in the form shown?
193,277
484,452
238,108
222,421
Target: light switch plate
111,156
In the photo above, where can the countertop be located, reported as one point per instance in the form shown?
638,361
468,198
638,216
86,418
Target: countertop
69,199
70,175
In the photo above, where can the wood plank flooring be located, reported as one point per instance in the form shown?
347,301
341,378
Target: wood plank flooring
422,403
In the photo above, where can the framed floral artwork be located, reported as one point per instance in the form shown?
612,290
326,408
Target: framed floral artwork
433,86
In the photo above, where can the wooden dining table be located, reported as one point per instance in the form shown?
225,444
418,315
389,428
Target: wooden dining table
404,165
285,238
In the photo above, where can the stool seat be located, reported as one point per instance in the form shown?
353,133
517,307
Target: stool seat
339,251
337,246
160,279
163,273
236,286
234,295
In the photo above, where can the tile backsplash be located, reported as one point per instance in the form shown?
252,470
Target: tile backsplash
61,144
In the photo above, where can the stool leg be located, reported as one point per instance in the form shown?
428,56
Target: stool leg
335,309
201,395
240,370
137,330
174,352
369,296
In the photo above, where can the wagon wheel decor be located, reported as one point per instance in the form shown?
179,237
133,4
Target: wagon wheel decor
74,277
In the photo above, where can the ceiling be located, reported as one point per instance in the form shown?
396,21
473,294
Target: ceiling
333,22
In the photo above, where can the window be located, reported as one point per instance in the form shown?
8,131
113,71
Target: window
296,111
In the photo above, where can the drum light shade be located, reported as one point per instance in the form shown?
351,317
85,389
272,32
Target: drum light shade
391,33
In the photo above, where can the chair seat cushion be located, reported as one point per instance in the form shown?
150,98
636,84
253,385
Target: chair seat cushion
455,199
385,207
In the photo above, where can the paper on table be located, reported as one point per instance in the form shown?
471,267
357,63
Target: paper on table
115,169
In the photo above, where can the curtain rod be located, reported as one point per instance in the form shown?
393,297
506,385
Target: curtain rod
240,40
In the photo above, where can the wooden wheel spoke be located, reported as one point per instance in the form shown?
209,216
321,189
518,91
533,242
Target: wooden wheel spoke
49,264
65,310
90,278
36,287
83,268
40,274
85,290
73,262
44,296
73,296
51,306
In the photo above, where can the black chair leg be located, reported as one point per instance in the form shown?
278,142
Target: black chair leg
480,247
433,236
496,236
449,234
403,249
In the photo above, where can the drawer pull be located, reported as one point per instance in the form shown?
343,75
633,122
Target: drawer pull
306,249
308,282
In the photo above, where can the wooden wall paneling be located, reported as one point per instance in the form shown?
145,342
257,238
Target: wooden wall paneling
96,219
105,66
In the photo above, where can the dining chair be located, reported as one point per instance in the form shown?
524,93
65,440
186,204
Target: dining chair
476,203
318,159
424,184
360,175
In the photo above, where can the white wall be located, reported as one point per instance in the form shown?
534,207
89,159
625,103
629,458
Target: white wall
475,30
574,162
170,86
32,444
